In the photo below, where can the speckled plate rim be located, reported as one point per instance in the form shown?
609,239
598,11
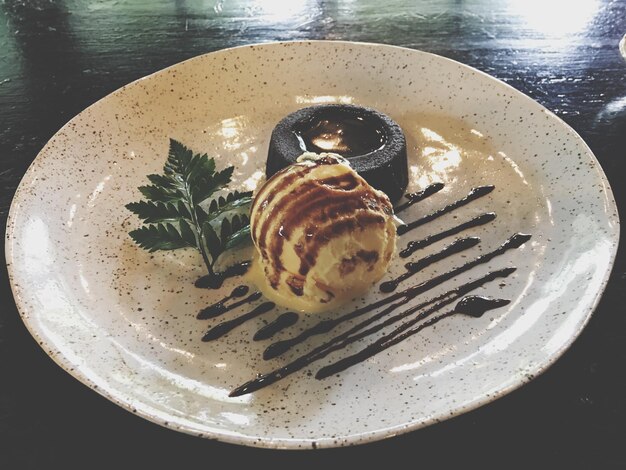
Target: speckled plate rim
164,420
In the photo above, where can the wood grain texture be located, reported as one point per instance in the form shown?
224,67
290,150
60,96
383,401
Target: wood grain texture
58,57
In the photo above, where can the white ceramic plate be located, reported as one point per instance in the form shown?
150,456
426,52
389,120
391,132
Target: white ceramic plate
123,321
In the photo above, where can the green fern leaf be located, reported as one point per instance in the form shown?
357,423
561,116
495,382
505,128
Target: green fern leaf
172,212
153,212
159,237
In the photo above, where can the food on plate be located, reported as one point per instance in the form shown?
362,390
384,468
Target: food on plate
372,142
322,233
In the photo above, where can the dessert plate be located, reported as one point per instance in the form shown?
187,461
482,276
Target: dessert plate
123,321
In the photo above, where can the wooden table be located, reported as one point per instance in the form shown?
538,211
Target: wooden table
58,57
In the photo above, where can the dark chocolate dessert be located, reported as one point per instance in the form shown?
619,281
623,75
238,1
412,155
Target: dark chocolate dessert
371,141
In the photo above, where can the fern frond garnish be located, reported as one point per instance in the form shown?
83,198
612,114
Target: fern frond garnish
172,213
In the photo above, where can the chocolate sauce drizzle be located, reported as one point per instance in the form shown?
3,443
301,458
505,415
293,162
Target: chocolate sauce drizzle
280,347
425,314
474,306
412,268
286,320
348,337
225,327
215,281
474,194
415,245
477,305
219,308
419,196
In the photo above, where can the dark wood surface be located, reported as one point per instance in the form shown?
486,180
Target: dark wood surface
58,57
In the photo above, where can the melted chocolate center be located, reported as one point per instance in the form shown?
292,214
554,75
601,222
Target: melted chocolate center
338,132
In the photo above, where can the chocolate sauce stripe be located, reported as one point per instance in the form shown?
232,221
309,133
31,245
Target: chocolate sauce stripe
368,352
342,340
225,327
331,231
301,204
271,189
404,331
311,191
413,268
280,347
419,196
474,194
266,239
285,320
333,204
415,245
218,309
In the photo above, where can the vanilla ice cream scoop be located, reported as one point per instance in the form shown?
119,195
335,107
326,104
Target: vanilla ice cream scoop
323,235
